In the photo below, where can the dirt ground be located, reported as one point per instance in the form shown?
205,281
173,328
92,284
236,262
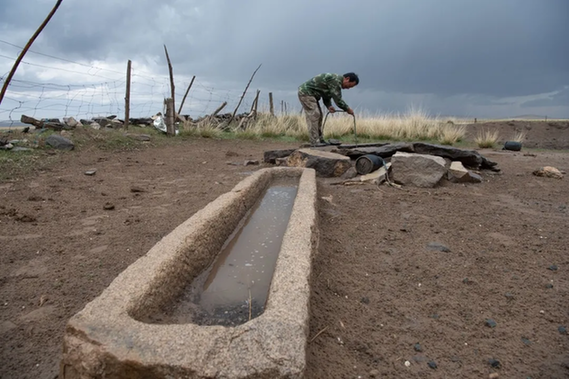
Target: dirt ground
407,283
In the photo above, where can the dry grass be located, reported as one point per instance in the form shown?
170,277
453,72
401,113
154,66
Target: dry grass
487,138
519,136
413,125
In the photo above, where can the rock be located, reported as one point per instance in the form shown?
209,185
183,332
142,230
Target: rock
384,151
108,206
325,164
95,125
251,163
350,174
374,374
103,122
494,363
70,122
378,176
49,123
491,323
432,364
139,137
438,246
280,162
419,170
7,146
272,155
552,268
86,122
493,375
548,172
469,158
91,172
59,142
457,173
526,341
417,347
562,329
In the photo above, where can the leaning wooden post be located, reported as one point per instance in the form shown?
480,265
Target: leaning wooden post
219,109
186,95
127,96
25,50
172,89
255,104
271,106
170,130
242,96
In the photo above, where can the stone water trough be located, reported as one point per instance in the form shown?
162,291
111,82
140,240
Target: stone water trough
111,336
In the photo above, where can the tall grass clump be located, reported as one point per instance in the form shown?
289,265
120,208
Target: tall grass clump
487,138
519,136
414,125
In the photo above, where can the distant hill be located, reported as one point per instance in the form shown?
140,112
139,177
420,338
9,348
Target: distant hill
8,123
531,117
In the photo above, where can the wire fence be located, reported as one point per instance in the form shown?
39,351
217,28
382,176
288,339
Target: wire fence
100,91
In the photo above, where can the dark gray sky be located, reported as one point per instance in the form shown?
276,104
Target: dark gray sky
475,58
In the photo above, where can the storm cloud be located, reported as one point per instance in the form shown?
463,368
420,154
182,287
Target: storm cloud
481,57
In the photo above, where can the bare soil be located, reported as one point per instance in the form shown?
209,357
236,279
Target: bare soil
407,283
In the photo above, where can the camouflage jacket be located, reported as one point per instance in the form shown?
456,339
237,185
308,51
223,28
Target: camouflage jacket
326,86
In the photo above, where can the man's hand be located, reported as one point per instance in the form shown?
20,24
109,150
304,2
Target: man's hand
331,109
350,111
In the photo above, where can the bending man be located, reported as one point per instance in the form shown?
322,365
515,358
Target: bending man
326,87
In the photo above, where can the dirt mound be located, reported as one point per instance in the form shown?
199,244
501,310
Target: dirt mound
538,134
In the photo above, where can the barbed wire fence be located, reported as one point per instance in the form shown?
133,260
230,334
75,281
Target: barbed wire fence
98,91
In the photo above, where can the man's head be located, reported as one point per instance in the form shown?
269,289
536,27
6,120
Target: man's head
350,80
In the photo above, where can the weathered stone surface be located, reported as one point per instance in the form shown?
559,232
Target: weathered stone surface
59,142
417,170
70,122
272,155
325,163
109,338
469,158
384,151
52,123
549,172
457,173
378,176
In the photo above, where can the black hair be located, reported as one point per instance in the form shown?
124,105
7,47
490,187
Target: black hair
352,77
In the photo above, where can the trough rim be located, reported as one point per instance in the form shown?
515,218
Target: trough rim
279,334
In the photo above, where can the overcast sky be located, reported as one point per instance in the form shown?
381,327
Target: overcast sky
470,58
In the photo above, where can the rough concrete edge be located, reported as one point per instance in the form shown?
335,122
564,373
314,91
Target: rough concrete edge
77,343
289,292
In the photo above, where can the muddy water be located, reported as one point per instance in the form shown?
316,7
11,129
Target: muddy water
243,270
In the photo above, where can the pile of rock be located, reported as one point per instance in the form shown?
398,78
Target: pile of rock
69,123
414,164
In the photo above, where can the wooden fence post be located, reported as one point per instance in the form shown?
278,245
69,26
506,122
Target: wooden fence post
25,50
271,106
171,71
127,96
170,130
